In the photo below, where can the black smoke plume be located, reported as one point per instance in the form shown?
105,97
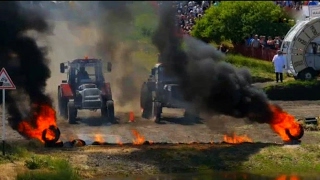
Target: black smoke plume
24,61
115,25
206,81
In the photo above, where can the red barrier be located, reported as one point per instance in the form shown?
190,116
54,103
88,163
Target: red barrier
257,53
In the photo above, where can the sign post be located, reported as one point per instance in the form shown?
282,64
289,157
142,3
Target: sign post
5,83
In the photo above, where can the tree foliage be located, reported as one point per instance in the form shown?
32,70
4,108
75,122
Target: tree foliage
235,20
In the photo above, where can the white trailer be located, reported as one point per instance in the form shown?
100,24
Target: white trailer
301,47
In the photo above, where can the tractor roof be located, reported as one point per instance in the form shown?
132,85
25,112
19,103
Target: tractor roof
76,61
157,65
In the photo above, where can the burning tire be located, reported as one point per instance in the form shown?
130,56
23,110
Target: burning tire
72,113
51,142
63,105
295,137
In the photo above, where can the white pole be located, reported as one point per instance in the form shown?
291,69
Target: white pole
3,120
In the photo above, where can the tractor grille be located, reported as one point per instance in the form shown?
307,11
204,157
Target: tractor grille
91,94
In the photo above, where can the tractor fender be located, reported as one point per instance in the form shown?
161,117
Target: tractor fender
66,90
106,90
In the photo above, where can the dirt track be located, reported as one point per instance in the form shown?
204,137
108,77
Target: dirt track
175,129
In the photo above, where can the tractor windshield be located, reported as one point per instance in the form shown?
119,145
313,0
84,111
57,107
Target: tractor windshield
86,72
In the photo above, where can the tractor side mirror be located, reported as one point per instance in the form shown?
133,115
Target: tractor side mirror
109,66
62,67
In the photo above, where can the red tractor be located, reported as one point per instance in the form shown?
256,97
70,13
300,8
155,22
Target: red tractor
85,88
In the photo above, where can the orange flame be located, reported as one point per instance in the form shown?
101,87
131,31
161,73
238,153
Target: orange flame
234,139
282,121
284,177
118,141
139,139
131,116
98,138
41,120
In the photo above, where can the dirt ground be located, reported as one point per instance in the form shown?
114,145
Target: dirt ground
95,161
175,129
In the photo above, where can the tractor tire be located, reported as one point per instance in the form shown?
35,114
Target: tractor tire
72,113
143,95
157,110
63,105
146,104
307,74
107,112
110,111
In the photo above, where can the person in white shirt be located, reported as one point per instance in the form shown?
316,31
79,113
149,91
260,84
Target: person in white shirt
279,64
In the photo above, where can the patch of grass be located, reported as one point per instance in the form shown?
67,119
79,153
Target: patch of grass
38,166
13,153
257,158
260,70
275,159
48,168
294,90
293,84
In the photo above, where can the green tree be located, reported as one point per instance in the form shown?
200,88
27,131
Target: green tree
235,20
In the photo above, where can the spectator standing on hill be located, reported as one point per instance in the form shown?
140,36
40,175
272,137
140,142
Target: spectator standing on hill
255,45
278,63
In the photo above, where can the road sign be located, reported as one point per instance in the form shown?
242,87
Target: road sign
5,80
5,83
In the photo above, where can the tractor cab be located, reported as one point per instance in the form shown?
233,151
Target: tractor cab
84,72
160,75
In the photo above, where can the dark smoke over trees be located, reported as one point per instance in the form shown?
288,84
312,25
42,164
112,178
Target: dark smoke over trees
208,82
25,62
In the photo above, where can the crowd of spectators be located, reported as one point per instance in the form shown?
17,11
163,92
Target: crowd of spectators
297,5
189,11
261,45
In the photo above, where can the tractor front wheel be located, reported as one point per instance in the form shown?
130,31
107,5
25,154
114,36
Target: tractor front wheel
157,110
72,113
107,111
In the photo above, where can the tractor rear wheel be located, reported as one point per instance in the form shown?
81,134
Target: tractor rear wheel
63,105
72,113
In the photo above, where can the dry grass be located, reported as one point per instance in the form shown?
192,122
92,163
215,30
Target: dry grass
90,162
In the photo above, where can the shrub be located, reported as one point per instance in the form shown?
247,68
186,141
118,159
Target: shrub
235,20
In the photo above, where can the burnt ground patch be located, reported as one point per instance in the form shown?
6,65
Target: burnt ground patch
293,91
